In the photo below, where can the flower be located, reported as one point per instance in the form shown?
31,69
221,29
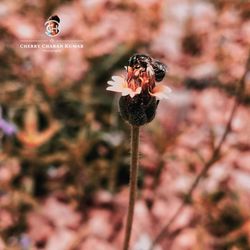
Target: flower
140,93
119,84
138,81
7,127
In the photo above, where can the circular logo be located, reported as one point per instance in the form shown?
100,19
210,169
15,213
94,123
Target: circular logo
52,26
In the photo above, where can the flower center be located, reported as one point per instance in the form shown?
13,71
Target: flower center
140,78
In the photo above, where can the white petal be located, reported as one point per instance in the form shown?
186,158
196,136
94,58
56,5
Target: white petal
119,84
111,83
132,94
125,92
113,88
118,79
138,90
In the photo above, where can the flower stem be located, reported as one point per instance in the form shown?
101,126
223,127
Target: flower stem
135,131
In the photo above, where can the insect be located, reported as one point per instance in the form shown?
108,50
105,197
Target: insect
147,63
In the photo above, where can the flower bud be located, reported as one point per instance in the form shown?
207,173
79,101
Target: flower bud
138,110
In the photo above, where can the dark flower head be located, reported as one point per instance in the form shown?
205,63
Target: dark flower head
140,94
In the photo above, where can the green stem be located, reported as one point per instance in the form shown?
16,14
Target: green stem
135,131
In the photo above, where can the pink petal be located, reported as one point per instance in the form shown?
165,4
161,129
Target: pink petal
161,91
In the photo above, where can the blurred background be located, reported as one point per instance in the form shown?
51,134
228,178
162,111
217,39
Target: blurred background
64,150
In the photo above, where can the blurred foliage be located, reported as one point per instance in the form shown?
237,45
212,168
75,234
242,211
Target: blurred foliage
71,143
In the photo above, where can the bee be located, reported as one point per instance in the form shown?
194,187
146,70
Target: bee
139,60
146,63
160,70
